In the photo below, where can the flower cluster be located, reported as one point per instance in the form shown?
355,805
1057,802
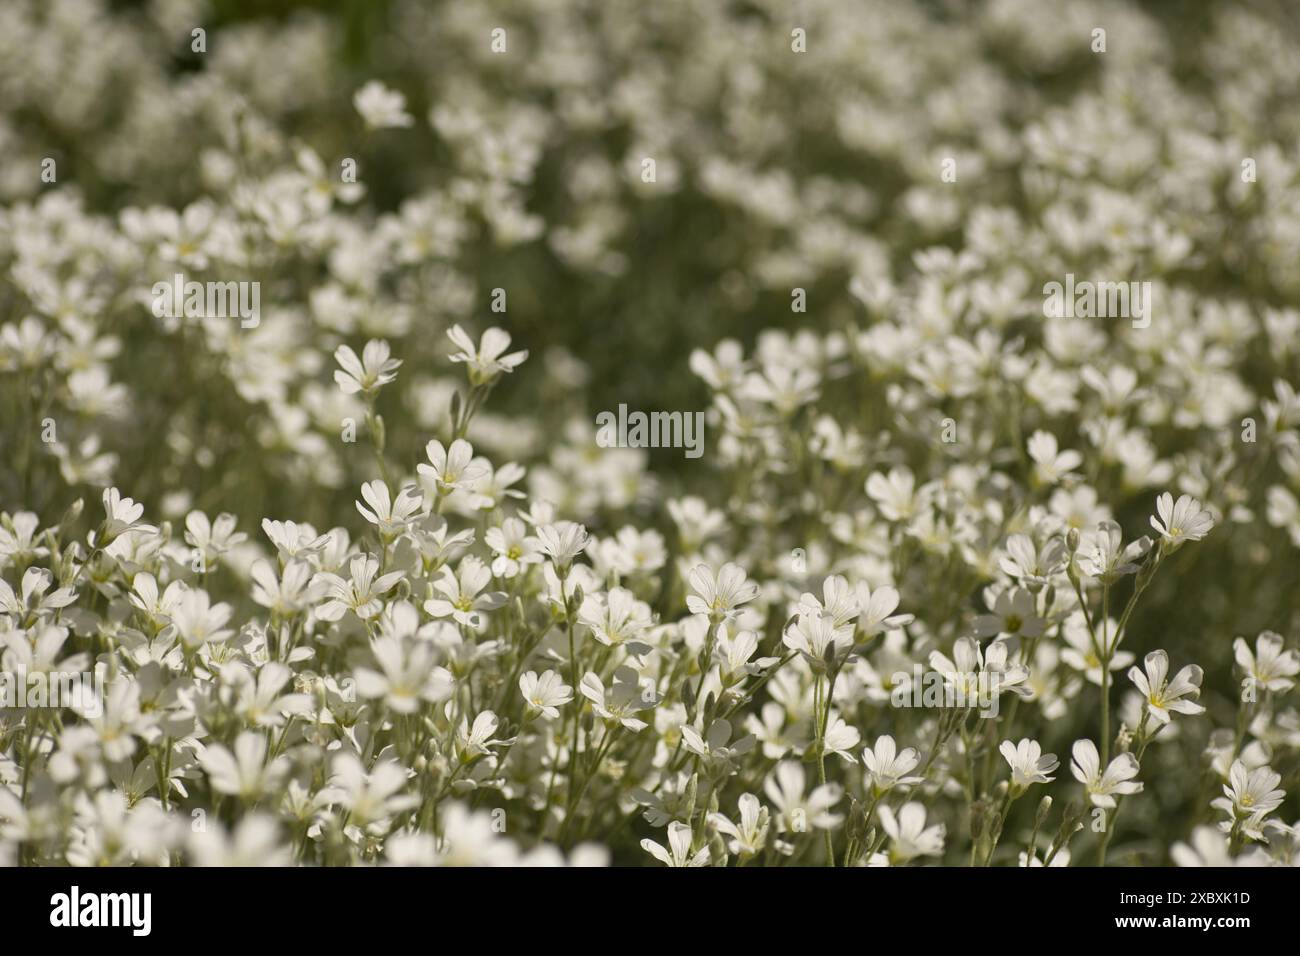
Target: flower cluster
378,596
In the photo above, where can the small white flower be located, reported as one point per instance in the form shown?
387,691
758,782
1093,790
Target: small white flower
1102,787
390,517
381,107
244,773
360,593
719,594
513,548
876,609
1051,465
454,468
678,853
1012,613
1268,666
562,542
546,693
1180,521
462,593
1251,792
749,837
811,635
909,837
615,618
486,362
797,811
887,767
475,741
408,674
1210,847
32,600
121,515
895,494
1033,567
1103,555
624,698
1165,695
212,538
1028,763
367,374
368,797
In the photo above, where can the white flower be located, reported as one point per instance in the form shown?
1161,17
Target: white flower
719,594
1251,793
368,797
293,540
895,494
877,610
32,599
1165,695
1061,859
797,811
367,374
121,515
714,746
617,704
255,842
1103,555
1102,787
245,773
840,738
452,468
838,603
887,767
972,672
1180,521
462,593
212,538
408,674
678,852
1033,567
513,547
390,517
544,694
909,837
1268,666
734,653
1013,612
18,540
1082,654
360,593
258,701
749,837
381,107
486,362
475,741
616,617
289,593
1210,847
1028,763
1051,465
471,838
812,634
562,542
198,621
